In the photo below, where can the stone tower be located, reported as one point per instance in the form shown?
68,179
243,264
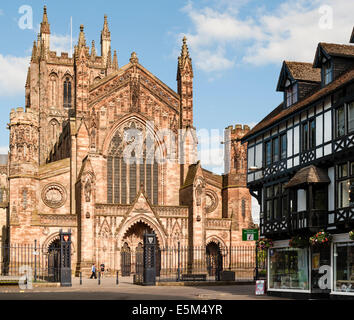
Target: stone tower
23,172
236,197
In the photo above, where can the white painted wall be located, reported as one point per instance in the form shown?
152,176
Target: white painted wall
290,142
319,130
296,139
327,126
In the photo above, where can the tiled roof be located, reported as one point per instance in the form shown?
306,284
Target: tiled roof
278,114
212,176
310,174
303,71
343,50
192,170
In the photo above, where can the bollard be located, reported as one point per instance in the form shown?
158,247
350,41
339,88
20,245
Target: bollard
117,281
80,278
99,278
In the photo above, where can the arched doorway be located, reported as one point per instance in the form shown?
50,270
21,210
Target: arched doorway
213,258
132,259
54,261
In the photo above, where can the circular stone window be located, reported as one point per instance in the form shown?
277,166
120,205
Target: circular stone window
211,201
54,195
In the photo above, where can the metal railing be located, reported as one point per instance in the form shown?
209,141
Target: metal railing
38,262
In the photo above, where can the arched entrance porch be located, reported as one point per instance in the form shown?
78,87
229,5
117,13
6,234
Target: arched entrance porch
132,250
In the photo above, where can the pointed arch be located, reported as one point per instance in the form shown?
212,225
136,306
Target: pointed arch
154,225
130,166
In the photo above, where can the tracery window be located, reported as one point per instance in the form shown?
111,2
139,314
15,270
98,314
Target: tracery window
67,93
125,175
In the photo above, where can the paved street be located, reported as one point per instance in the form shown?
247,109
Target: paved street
108,290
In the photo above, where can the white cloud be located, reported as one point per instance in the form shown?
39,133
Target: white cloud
290,32
61,43
4,149
13,72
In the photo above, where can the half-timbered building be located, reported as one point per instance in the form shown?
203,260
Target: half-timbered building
301,170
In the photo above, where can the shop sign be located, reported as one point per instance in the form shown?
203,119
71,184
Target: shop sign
260,287
249,234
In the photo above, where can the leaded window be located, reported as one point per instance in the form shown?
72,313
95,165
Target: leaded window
345,185
125,175
67,93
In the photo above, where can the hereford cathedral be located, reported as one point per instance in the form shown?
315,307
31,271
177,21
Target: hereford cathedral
67,169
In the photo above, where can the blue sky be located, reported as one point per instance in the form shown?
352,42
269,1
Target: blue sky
237,47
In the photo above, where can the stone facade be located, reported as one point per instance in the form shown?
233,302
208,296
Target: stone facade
66,167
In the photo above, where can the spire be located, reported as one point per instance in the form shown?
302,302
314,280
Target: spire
44,24
105,31
133,58
115,60
184,53
105,41
34,51
93,51
82,41
352,37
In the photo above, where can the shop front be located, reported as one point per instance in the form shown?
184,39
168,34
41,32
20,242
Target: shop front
322,272
288,269
343,266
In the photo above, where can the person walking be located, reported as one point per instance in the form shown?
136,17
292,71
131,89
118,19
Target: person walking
102,269
93,270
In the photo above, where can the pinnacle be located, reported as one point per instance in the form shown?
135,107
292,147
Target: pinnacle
133,58
82,41
44,24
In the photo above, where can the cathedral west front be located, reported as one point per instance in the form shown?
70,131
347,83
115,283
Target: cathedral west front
110,151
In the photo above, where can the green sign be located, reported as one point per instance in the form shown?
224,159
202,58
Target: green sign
249,234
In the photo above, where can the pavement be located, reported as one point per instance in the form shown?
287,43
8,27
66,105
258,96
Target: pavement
126,290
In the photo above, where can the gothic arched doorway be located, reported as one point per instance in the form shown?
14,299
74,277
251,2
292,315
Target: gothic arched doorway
54,261
134,239
213,258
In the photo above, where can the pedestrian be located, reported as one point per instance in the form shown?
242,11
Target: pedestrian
93,269
102,269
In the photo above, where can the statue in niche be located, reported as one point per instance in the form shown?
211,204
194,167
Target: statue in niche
88,190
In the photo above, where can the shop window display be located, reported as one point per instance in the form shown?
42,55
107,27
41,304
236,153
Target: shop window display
344,267
288,268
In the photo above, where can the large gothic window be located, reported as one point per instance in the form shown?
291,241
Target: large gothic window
125,177
67,93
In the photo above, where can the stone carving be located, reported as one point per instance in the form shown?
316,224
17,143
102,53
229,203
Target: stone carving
135,93
200,184
54,195
88,190
211,200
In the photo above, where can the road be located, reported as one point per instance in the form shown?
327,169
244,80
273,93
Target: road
125,290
